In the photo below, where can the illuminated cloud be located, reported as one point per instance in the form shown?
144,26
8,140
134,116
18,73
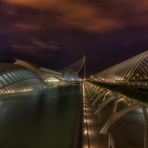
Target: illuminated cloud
36,48
73,15
25,26
50,45
93,27
100,17
33,3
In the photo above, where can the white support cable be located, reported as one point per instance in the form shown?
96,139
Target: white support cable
128,66
145,65
135,65
135,62
126,69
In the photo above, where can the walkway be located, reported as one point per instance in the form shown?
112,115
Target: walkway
91,136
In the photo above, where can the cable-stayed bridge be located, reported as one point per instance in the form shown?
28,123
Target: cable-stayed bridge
132,71
71,73
108,110
124,89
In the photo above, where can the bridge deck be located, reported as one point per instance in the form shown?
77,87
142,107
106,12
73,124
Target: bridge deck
91,136
129,91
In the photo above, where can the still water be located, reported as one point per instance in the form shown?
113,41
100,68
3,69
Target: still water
40,120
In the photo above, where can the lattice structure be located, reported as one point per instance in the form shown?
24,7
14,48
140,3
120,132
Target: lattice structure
71,72
134,69
16,79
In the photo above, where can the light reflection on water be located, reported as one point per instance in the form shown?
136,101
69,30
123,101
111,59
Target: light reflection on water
40,120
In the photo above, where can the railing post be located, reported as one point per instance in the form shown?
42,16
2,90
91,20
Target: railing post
111,143
99,115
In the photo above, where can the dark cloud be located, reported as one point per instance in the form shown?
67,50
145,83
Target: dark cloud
98,16
50,45
36,48
67,29
26,26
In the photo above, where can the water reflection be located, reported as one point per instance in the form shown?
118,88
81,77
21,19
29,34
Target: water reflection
40,119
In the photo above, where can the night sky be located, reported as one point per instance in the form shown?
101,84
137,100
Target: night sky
55,33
